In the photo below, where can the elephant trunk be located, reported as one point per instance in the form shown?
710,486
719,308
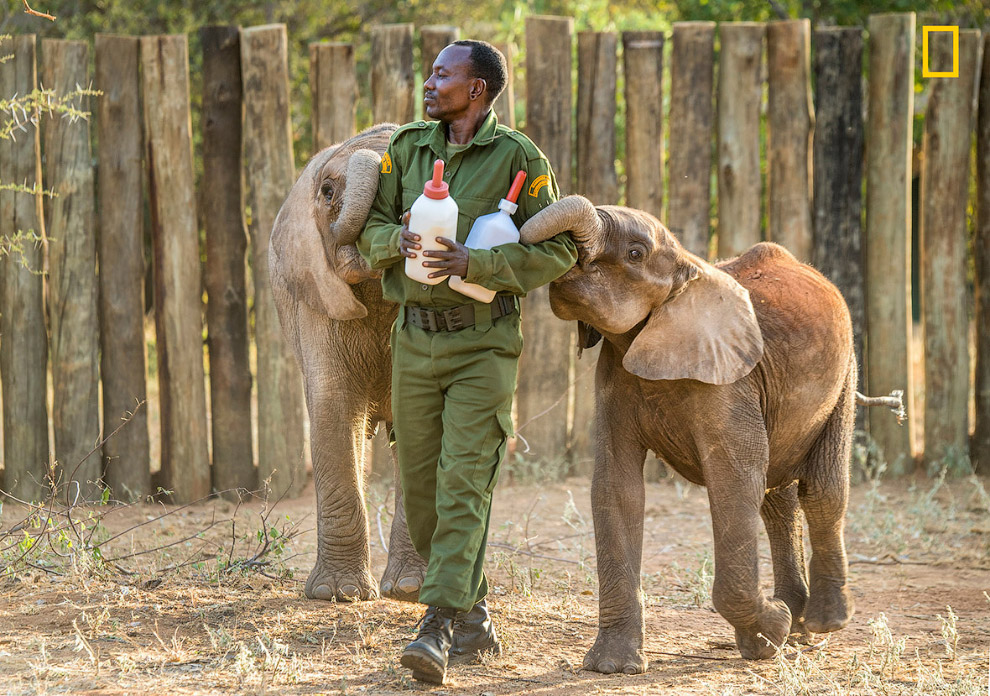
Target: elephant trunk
362,184
574,214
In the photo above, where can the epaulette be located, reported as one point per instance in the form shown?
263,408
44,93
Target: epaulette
412,125
529,147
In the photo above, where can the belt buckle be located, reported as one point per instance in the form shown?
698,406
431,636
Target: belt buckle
453,318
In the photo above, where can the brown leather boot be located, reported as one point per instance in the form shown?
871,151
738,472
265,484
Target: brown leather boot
474,634
427,655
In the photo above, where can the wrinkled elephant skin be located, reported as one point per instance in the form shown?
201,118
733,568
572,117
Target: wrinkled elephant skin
333,316
741,377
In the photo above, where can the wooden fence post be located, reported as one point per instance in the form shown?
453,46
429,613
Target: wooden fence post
72,281
791,123
740,89
178,287
596,117
545,365
944,237
838,175
121,248
226,246
505,105
642,60
981,245
333,81
692,66
393,89
888,228
23,341
270,174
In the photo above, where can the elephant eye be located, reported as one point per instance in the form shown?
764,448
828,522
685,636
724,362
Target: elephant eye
635,255
326,190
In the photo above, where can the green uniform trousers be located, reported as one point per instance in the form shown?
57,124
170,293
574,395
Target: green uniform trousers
451,409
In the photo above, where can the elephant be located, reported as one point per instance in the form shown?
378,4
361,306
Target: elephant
741,376
333,316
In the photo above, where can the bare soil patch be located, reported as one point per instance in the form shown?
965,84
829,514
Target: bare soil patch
916,548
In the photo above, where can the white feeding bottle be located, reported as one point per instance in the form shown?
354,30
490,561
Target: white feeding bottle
488,232
433,214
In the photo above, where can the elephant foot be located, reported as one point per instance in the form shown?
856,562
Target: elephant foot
340,585
762,640
403,576
829,609
799,632
616,653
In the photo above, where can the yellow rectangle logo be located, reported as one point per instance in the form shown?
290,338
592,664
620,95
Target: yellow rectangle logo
925,72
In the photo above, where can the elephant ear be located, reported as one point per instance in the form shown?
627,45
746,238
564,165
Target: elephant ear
297,257
708,332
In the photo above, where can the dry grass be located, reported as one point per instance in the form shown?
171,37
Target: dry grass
918,551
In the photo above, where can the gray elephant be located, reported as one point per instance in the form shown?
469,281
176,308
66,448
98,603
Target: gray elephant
333,316
741,376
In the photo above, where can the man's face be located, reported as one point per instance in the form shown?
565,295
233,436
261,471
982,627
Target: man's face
448,92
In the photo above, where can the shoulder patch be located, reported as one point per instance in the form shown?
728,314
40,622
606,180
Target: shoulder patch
538,184
386,164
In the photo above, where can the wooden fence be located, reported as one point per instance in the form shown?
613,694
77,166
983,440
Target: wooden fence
816,158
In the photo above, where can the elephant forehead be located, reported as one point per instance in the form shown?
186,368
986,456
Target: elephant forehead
628,224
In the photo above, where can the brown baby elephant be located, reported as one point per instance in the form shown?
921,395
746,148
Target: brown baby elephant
741,376
335,319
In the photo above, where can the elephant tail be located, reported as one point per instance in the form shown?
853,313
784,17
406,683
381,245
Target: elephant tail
895,402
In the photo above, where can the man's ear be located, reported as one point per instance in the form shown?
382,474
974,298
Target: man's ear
478,86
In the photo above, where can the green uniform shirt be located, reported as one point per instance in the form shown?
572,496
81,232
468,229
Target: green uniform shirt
479,176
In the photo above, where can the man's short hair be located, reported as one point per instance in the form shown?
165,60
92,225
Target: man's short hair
489,64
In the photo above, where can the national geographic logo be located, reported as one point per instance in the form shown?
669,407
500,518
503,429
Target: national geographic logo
925,71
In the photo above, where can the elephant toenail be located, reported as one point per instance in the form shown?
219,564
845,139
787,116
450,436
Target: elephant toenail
386,587
607,667
630,669
408,584
350,592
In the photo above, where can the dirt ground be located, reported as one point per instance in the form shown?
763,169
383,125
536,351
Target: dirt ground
916,547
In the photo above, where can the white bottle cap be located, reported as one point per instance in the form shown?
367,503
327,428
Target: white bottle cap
508,206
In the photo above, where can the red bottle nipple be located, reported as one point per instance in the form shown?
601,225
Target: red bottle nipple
437,187
516,187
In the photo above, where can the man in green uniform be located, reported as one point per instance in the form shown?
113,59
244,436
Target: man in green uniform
454,360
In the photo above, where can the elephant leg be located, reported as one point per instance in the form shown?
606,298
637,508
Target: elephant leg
824,494
736,488
781,515
406,569
617,502
338,416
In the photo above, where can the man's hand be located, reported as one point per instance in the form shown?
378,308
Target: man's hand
408,242
453,262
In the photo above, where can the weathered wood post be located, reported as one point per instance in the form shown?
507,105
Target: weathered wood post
546,361
596,117
23,341
178,288
333,81
944,237
791,123
505,105
596,179
888,228
981,245
838,175
121,253
433,39
740,90
226,247
642,60
393,89
72,284
692,66
270,174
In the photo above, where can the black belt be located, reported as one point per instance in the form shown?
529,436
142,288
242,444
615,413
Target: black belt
456,317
